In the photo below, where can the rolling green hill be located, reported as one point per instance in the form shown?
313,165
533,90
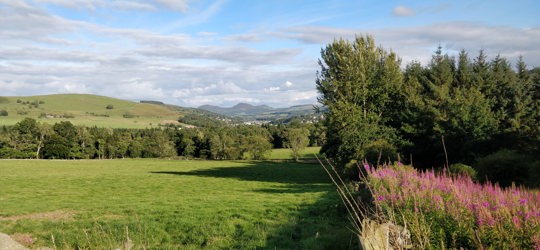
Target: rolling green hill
84,109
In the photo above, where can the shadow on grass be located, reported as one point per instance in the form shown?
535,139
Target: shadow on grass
322,225
264,171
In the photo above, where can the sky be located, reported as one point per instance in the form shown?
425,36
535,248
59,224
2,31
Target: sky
222,52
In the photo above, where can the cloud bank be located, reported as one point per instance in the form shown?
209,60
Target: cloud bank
43,52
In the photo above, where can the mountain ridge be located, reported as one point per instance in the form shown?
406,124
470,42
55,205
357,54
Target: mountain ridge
248,111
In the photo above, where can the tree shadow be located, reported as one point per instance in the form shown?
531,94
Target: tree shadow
320,225
289,173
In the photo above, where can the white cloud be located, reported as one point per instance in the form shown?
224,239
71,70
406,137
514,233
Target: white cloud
174,5
419,42
272,89
74,4
403,11
288,84
177,5
213,89
42,52
298,96
134,89
194,17
131,5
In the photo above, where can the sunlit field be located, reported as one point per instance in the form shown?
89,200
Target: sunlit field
285,153
170,204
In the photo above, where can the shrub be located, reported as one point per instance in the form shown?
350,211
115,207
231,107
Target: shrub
3,112
380,151
129,115
505,167
19,101
458,169
34,104
4,99
110,106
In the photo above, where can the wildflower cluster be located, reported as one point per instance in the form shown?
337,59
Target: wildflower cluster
460,212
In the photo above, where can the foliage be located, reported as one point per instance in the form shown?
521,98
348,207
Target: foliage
56,147
458,169
171,204
453,109
360,85
380,151
109,106
201,120
461,213
507,167
297,140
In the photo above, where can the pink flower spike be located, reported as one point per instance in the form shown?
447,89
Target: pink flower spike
367,167
515,220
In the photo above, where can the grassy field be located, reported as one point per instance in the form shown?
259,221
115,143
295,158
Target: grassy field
285,153
83,109
170,204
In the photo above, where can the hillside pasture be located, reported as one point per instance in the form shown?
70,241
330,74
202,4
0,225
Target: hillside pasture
170,204
87,110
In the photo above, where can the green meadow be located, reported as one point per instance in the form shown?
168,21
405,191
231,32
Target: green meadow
171,204
87,110
286,154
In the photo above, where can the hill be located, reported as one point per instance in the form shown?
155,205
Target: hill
240,109
85,109
261,112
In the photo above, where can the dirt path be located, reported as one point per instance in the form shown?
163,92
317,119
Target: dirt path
6,243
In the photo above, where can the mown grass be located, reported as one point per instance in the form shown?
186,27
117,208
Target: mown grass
88,110
286,154
170,204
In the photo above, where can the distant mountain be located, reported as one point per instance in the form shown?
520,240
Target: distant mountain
260,112
239,109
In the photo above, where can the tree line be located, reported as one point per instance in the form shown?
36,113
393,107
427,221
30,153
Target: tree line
31,139
452,110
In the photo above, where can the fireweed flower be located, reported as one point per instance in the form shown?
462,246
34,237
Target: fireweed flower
490,209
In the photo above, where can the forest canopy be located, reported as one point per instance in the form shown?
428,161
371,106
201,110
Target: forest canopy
453,110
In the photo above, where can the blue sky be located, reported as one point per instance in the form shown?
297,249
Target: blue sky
221,52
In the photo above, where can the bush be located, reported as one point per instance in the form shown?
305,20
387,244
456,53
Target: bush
4,99
129,115
3,113
380,151
459,169
505,167
110,106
